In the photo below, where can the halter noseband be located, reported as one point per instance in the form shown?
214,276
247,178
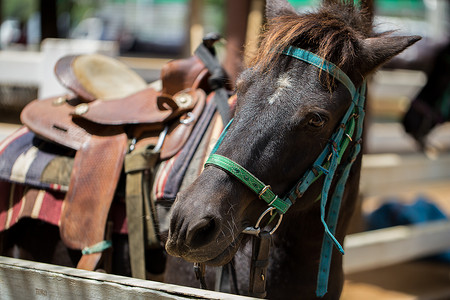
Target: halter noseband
326,164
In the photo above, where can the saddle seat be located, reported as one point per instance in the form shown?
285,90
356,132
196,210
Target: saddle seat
115,122
96,76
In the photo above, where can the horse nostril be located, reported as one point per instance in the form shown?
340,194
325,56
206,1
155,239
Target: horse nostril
202,233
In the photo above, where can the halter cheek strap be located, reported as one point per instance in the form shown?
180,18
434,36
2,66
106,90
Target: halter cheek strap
326,164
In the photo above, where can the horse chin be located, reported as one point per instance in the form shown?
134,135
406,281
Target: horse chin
222,258
226,255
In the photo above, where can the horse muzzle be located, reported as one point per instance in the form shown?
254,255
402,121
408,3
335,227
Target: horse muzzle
197,233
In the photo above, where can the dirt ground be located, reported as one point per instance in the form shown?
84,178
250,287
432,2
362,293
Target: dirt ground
414,280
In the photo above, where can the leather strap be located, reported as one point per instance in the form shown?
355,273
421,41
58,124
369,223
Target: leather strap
226,279
100,253
199,270
216,81
140,210
89,261
144,107
259,264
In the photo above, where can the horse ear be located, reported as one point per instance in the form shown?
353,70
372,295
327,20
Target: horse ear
278,8
379,50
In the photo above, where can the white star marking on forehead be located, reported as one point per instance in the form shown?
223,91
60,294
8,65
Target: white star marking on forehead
284,82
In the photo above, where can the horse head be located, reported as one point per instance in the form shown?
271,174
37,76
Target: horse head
287,111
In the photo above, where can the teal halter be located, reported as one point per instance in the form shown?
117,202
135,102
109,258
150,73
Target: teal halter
326,164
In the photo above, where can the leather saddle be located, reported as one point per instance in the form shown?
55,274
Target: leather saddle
111,115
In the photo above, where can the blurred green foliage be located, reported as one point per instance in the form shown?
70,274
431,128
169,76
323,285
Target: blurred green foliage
18,9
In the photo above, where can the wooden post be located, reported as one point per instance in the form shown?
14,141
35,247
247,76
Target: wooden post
254,23
235,33
196,30
1,13
49,27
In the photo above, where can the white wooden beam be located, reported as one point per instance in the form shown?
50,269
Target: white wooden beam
37,68
20,279
20,68
390,174
384,247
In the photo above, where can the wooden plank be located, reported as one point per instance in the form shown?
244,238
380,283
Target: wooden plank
384,247
20,279
387,174
20,68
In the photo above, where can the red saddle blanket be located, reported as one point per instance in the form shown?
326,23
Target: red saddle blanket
22,201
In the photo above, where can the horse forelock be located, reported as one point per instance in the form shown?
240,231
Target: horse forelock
332,32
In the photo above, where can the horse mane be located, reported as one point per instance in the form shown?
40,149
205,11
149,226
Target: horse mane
331,32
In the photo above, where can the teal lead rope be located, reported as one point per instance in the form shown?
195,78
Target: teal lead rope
326,164
335,204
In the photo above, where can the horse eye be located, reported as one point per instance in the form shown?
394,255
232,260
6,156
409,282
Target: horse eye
317,121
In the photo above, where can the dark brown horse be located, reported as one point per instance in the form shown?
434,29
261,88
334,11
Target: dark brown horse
287,112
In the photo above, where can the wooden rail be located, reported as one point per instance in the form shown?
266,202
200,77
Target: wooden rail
384,247
20,279
392,174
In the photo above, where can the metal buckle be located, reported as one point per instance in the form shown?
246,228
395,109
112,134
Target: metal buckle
264,189
161,138
132,145
274,199
190,117
256,229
